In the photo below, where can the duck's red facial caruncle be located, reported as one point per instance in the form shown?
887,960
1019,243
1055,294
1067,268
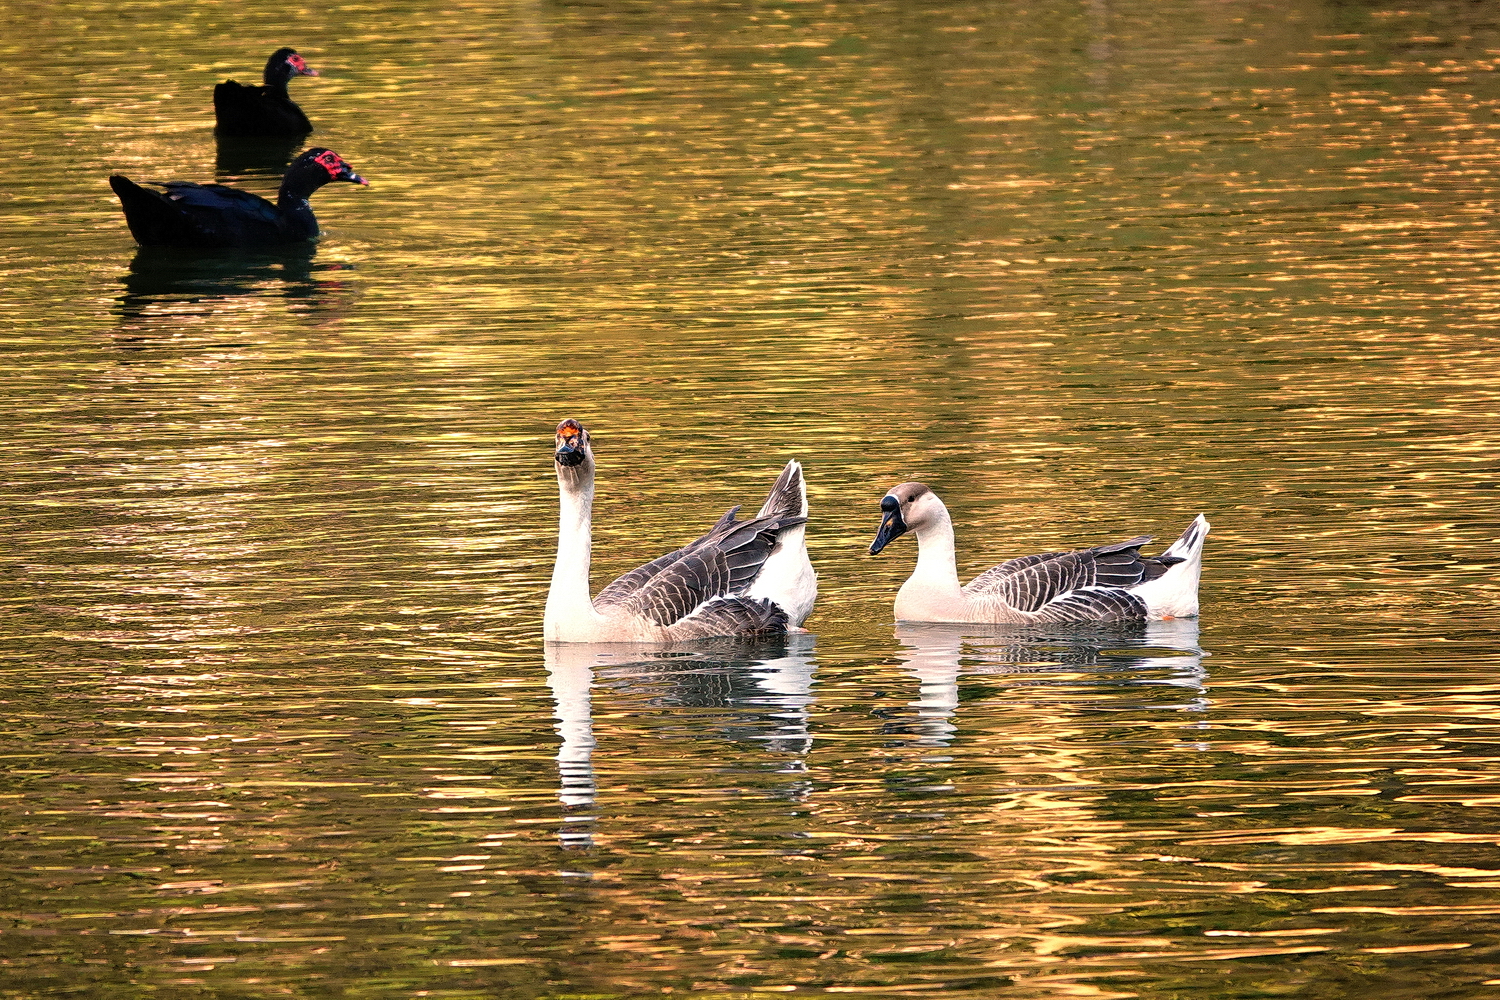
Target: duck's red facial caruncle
337,169
300,66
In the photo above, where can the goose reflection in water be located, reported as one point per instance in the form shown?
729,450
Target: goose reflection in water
1118,658
166,284
766,691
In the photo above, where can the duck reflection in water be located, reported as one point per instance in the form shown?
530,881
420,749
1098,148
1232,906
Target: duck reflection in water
765,690
240,157
1123,662
165,285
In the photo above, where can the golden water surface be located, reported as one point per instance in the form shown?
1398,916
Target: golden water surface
277,529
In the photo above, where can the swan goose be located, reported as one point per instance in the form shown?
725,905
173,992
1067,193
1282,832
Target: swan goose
1102,584
748,578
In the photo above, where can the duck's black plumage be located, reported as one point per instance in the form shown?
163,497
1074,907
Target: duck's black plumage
183,214
267,109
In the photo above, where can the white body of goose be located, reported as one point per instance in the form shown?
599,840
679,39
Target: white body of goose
748,578
1102,584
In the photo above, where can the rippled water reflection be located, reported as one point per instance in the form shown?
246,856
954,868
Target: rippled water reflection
278,528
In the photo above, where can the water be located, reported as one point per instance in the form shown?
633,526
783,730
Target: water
278,528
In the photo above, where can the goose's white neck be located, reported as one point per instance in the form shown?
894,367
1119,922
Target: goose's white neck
570,614
932,592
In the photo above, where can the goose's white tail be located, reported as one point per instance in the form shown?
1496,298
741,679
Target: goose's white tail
1174,594
788,578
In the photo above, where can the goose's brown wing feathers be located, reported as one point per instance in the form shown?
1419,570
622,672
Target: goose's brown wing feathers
722,563
1031,583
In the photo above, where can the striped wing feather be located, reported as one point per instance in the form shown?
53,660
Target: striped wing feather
1094,604
740,617
1033,583
722,563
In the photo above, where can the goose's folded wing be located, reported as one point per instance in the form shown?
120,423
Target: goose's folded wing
1030,583
740,617
721,563
1094,604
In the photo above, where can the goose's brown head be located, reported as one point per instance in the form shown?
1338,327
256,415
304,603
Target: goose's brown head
573,451
901,510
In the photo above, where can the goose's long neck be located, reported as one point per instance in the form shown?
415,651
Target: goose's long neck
575,541
937,563
570,595
932,592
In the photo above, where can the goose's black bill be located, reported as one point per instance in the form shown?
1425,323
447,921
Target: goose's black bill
892,525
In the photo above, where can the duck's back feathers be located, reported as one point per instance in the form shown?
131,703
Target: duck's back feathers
199,215
241,109
218,198
1106,583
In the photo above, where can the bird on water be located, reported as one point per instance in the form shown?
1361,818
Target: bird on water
243,109
1105,583
184,214
744,578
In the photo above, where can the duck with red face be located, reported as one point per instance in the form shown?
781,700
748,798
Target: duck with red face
268,109
184,214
